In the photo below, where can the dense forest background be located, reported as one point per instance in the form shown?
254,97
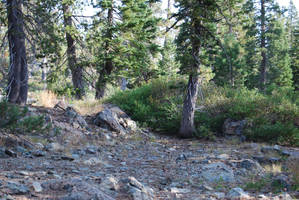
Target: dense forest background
186,68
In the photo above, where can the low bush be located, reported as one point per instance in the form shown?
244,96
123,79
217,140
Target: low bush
156,105
272,117
15,119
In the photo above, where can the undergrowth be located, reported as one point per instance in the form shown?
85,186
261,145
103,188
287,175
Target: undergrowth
271,117
16,119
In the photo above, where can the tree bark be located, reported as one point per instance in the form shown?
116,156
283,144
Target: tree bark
231,68
106,71
17,89
77,71
263,68
187,128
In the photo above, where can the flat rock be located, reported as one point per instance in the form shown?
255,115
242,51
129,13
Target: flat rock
37,187
237,193
17,188
136,190
76,189
216,172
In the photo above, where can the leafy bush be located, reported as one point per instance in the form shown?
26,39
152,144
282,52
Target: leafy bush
157,105
272,117
14,118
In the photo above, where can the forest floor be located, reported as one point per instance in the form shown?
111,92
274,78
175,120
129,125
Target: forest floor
95,163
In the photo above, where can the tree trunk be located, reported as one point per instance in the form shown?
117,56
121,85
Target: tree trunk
263,69
231,69
77,71
106,71
187,123
17,89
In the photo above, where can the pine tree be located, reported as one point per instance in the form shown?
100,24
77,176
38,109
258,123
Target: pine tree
280,72
195,34
293,32
17,89
229,60
262,13
70,31
295,55
126,32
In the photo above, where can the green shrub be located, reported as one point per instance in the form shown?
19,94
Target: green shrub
15,119
272,117
157,105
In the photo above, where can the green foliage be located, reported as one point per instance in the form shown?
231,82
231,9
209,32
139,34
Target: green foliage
272,118
156,105
15,119
256,185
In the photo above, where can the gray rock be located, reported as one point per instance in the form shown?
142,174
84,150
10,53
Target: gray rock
286,153
271,149
115,119
179,190
76,189
251,166
37,187
266,160
219,195
137,191
68,158
216,172
91,150
75,117
223,157
2,153
54,146
38,153
17,188
93,161
39,146
231,127
285,196
110,183
237,193
11,153
21,150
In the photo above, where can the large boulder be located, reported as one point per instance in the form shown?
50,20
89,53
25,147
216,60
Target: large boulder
216,172
237,193
136,190
235,128
75,189
75,118
114,119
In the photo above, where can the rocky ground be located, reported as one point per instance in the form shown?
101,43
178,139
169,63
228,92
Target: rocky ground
108,157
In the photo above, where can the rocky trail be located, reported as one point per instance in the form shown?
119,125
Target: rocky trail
108,157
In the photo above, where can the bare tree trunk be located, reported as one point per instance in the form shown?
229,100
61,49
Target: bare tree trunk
263,69
17,89
77,72
101,85
231,69
187,123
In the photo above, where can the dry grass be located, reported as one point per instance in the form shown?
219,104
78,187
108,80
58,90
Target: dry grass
274,168
47,99
88,107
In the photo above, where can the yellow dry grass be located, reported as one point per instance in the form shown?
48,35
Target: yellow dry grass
47,99
88,107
